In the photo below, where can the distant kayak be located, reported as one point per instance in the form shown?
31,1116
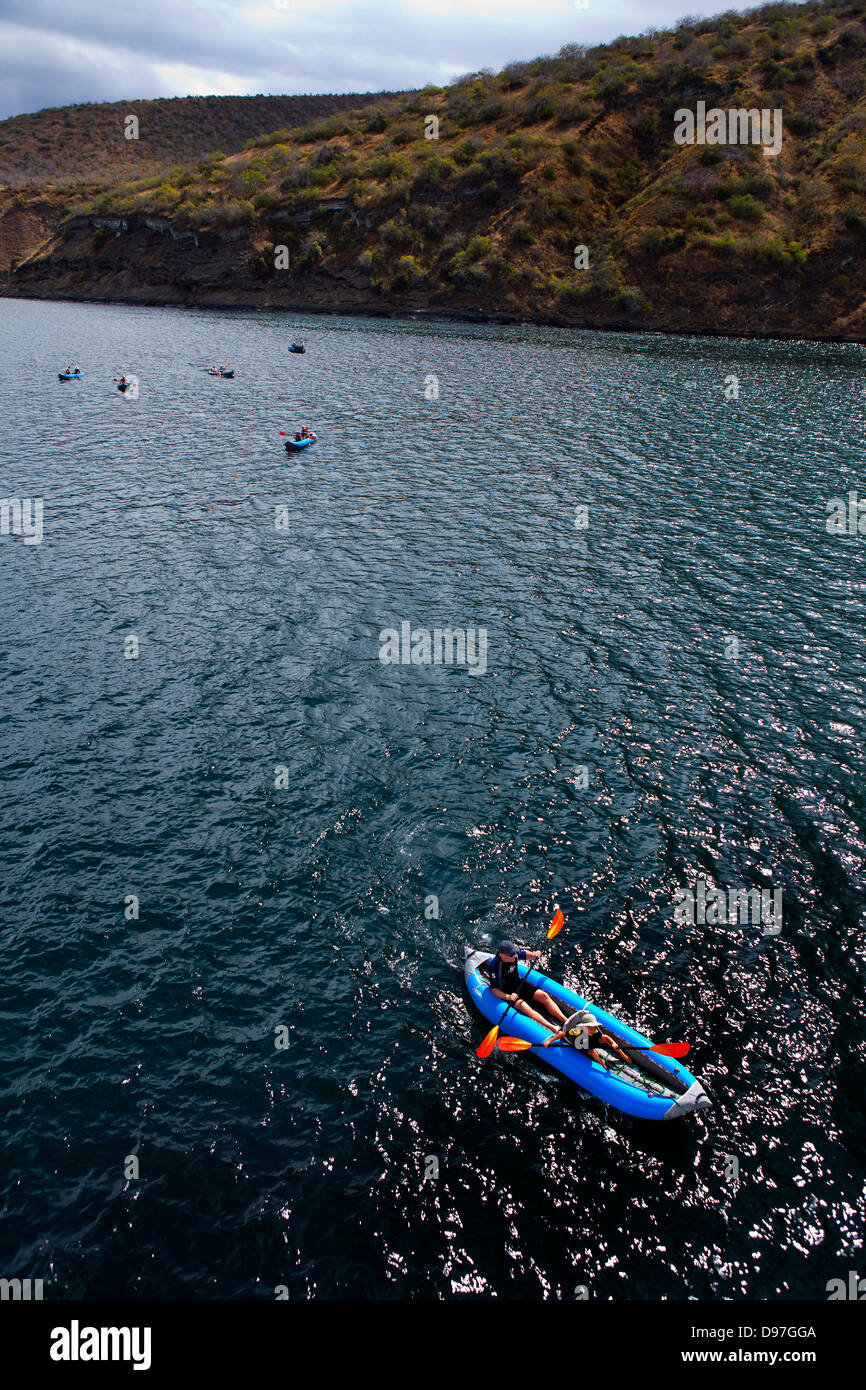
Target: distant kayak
297,347
70,376
221,371
655,1087
124,385
292,445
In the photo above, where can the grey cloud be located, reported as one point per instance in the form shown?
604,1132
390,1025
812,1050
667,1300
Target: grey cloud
52,54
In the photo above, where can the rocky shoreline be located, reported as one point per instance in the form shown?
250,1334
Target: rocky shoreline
144,259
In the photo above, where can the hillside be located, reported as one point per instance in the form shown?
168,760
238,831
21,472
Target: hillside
530,163
71,145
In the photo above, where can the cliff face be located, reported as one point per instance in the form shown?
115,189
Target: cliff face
145,259
25,224
561,191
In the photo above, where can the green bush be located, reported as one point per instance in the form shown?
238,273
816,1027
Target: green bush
328,174
313,247
631,300
467,150
747,208
395,232
278,137
760,185
474,174
476,247
504,163
390,167
659,240
438,168
697,223
491,113
408,272
784,251
376,122
724,245
852,36
267,200
324,130
611,87
522,234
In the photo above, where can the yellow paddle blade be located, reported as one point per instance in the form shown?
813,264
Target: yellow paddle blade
513,1045
556,925
486,1046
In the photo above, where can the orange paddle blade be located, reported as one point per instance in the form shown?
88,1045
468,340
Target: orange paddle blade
556,925
486,1046
513,1045
672,1049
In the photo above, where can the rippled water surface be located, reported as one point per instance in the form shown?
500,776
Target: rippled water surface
302,905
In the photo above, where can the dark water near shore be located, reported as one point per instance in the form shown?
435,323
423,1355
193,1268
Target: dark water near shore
304,905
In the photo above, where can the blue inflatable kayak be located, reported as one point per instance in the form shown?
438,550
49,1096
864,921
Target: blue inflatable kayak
293,444
70,376
653,1088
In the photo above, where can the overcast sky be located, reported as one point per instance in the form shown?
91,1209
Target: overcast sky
54,53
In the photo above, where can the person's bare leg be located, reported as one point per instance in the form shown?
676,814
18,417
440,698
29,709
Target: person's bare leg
542,997
523,1008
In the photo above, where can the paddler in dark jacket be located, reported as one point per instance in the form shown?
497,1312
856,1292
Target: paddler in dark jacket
583,1031
506,983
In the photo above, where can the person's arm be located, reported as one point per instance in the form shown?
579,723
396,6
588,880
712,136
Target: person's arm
554,1037
612,1046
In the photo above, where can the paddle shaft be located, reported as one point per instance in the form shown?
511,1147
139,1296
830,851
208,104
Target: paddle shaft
517,1000
625,1047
